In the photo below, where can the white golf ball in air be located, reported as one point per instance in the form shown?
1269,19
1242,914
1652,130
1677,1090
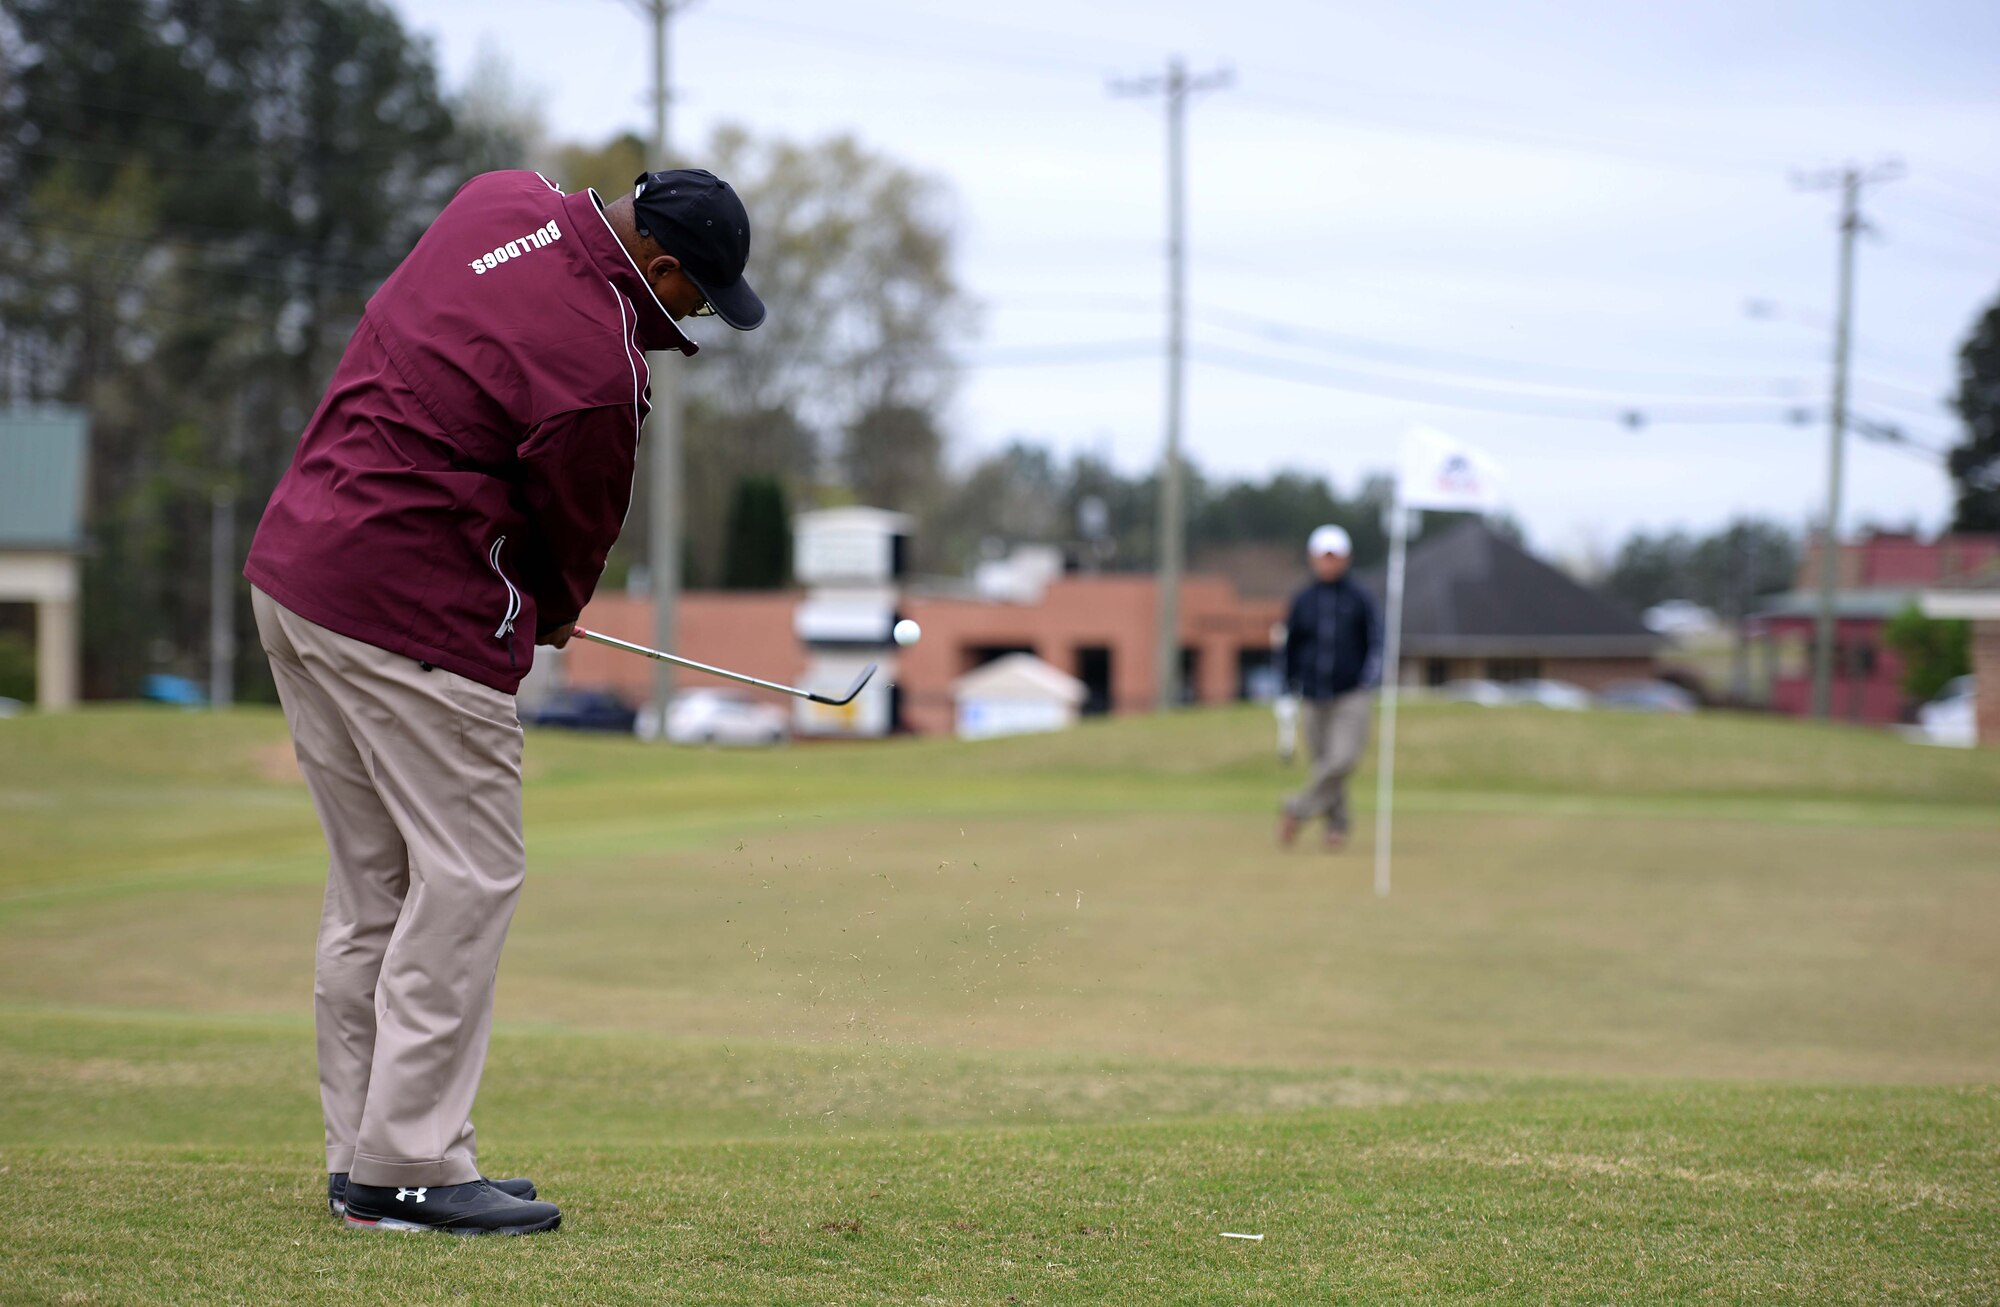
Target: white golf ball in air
907,632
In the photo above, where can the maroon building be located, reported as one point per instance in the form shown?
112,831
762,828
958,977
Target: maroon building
1879,576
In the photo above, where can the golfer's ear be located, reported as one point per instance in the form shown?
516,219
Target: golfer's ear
661,266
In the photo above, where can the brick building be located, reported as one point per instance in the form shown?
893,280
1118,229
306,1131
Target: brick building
43,461
1099,628
1476,605
1879,575
1980,605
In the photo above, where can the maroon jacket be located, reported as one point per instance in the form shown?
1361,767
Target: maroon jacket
472,462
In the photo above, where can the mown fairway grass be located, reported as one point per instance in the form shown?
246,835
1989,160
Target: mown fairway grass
1660,1011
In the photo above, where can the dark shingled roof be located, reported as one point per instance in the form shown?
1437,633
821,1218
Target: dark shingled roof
1471,591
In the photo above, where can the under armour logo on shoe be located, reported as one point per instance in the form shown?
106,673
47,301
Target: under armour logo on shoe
405,1195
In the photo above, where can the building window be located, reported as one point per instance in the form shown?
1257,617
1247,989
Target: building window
1258,676
1513,669
1437,671
1190,674
1093,668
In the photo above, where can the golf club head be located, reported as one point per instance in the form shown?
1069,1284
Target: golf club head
852,690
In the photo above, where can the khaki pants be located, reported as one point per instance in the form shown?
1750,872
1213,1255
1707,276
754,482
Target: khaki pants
416,776
1336,732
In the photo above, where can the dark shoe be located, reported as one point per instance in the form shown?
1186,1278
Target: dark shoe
1288,830
336,1190
474,1208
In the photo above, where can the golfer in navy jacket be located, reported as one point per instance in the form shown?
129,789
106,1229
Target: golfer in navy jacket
1333,658
450,506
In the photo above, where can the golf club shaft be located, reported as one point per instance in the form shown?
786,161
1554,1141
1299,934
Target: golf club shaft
644,652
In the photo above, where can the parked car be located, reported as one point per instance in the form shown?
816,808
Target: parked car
181,691
1646,696
1488,693
725,717
1550,694
1950,718
583,710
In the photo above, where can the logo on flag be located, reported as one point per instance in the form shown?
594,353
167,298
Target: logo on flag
1440,472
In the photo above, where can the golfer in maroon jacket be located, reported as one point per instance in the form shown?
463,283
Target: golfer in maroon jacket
449,507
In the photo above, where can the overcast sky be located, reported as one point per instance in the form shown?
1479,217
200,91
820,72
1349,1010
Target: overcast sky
1526,210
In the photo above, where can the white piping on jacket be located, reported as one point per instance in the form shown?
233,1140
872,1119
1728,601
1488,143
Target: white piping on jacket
506,627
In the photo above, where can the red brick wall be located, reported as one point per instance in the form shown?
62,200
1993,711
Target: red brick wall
1896,558
1117,612
1596,673
752,632
745,632
1986,666
1878,700
1590,673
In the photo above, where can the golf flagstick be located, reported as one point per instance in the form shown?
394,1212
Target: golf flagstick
678,661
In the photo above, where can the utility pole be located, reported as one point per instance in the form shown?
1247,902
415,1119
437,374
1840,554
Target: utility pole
1849,180
222,567
1175,86
662,438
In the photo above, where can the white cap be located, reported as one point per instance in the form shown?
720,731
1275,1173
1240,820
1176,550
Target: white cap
1329,540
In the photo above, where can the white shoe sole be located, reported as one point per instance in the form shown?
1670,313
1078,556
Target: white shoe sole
412,1227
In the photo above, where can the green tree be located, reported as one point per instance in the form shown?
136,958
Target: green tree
1975,464
500,123
1727,570
196,198
759,554
609,168
1011,497
1749,558
852,251
1934,650
1023,494
17,666
890,456
850,372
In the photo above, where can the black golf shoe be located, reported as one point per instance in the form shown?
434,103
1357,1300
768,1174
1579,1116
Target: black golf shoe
475,1208
336,1190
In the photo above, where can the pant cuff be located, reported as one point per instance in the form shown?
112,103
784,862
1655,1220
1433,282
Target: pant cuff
400,1171
339,1158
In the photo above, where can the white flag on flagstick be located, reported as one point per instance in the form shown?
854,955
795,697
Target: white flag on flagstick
1444,473
1438,472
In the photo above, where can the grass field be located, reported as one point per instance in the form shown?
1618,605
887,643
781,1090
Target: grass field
1660,1011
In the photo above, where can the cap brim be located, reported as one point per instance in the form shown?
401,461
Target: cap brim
736,304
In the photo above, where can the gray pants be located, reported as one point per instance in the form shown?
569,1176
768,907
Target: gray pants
417,779
1336,732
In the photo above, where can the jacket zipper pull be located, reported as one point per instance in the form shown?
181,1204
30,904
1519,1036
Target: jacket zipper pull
505,630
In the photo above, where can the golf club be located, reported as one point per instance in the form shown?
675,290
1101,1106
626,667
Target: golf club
797,693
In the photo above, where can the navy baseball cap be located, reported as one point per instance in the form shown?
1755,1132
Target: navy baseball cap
696,217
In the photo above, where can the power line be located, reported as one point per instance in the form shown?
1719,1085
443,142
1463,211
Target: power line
874,43
1603,409
1924,252
1980,190
1892,435
1293,334
1621,152
1973,226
